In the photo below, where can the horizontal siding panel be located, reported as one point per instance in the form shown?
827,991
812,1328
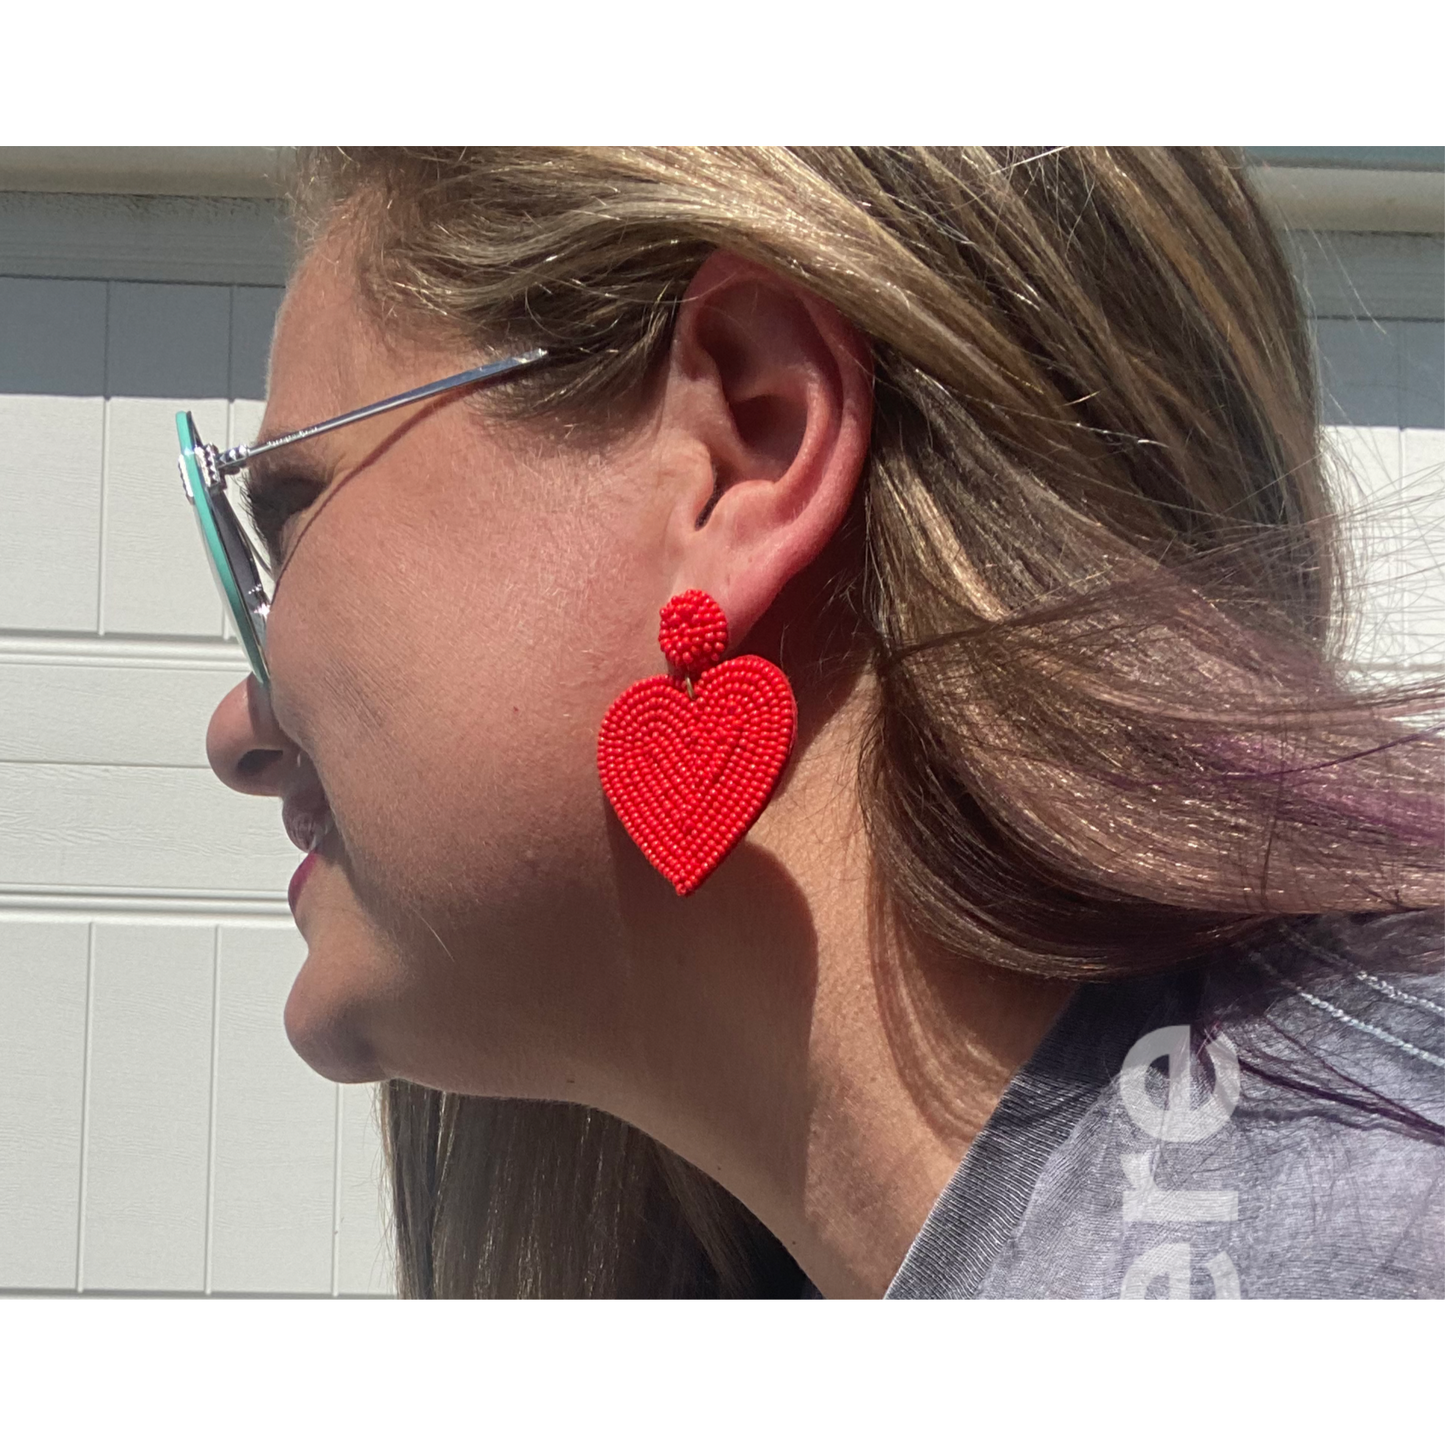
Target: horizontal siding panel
157,579
57,713
1422,555
1364,468
42,1062
245,421
1391,486
50,469
275,1175
365,1260
147,828
147,1160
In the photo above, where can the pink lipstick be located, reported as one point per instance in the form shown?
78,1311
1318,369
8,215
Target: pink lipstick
298,879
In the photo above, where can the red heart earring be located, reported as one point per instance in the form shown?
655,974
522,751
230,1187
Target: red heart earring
689,760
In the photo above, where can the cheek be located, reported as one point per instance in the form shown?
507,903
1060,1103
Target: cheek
449,687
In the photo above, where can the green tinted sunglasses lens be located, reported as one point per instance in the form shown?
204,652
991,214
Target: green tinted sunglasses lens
226,550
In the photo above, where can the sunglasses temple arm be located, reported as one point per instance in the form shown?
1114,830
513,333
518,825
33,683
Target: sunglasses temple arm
236,458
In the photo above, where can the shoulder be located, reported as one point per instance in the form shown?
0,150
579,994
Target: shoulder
1348,1010
1338,1025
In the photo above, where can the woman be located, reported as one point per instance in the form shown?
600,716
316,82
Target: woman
1074,931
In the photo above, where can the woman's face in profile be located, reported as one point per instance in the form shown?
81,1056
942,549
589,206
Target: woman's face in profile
460,601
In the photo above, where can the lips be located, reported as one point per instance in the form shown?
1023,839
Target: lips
298,880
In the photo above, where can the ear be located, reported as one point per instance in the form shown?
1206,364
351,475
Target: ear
766,414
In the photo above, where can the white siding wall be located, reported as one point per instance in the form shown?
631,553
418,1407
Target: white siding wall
156,1132
1385,385
1379,307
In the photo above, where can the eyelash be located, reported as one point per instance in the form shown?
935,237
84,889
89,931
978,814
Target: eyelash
272,505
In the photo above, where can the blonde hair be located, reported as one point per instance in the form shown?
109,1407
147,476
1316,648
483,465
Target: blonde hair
1100,586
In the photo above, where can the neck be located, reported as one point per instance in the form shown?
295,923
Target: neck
838,1071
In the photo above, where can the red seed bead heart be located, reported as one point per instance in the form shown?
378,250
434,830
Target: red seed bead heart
688,776
694,632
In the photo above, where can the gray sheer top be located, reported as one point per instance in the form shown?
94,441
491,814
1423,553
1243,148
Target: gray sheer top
1270,1123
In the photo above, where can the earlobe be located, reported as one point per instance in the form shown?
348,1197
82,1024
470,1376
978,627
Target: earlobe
774,386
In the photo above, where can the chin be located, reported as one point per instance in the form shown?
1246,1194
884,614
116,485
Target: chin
329,1035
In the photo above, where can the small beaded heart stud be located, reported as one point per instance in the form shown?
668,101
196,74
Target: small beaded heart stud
688,759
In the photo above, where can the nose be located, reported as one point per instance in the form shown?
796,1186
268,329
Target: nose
245,745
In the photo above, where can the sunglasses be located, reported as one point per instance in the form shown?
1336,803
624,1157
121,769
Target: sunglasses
240,566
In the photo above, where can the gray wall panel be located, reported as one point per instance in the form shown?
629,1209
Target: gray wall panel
52,337
1422,374
1359,369
168,340
253,314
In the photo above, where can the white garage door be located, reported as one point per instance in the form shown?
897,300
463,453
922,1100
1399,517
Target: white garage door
156,1132
1379,303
